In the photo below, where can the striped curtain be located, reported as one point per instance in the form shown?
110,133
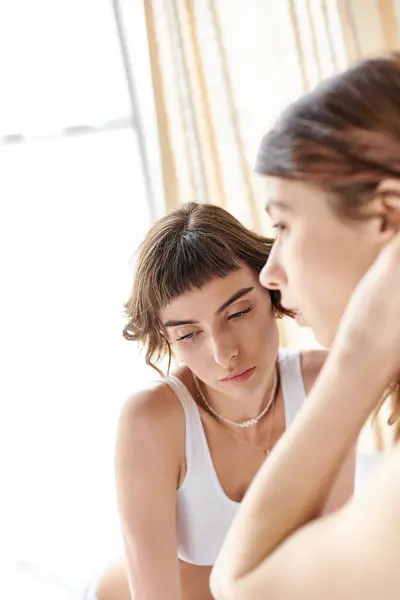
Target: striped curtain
369,27
200,135
223,70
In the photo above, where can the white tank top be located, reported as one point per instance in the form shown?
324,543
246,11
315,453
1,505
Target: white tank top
204,511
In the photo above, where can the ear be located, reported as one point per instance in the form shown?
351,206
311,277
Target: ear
388,200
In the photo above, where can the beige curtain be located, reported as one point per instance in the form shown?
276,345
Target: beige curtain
200,135
224,69
369,27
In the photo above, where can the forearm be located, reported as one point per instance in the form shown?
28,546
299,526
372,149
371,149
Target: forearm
291,487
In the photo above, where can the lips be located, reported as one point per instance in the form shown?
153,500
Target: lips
239,376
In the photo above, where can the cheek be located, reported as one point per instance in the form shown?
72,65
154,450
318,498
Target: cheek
262,339
181,352
195,355
263,327
318,270
304,260
309,253
294,257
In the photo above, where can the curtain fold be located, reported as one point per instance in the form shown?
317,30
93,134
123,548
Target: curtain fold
224,69
370,27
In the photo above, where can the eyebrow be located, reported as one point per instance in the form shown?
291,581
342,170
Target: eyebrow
233,298
239,294
275,203
179,323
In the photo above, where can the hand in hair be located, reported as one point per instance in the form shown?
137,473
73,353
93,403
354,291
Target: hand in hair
371,324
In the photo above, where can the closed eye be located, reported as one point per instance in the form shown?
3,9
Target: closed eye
188,336
279,227
240,314
193,335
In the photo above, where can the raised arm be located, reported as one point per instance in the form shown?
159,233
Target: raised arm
147,472
342,488
350,554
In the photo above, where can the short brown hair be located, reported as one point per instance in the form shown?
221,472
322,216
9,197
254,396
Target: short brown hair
343,136
183,250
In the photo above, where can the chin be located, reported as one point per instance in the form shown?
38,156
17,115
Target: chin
324,338
323,334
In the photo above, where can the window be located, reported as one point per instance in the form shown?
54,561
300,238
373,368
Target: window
74,205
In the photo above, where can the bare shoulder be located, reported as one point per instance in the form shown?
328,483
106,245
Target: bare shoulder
153,414
312,362
155,403
383,492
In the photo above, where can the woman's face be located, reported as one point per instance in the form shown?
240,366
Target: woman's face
225,329
318,257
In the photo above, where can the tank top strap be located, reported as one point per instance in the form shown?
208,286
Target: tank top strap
194,435
292,384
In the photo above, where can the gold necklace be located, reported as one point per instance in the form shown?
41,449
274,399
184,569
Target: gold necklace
246,422
266,451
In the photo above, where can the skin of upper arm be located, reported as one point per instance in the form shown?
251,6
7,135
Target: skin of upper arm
147,471
344,556
312,362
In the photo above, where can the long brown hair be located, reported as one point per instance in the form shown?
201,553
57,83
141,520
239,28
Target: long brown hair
183,250
344,136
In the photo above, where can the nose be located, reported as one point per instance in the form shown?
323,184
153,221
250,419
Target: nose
225,349
272,276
